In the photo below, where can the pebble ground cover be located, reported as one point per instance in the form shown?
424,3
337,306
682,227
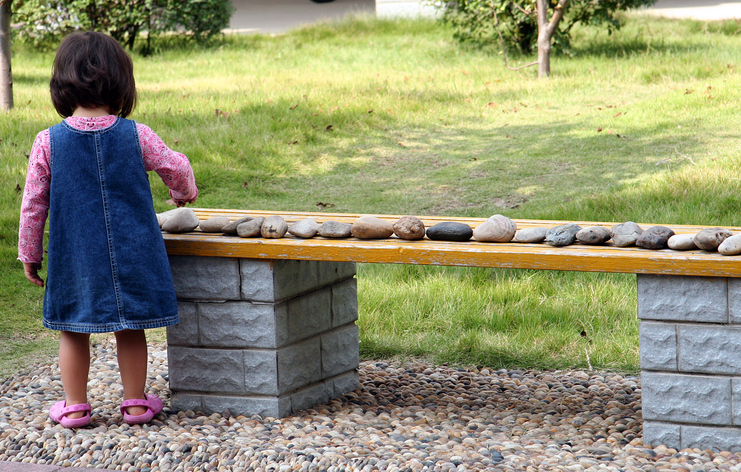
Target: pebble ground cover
387,117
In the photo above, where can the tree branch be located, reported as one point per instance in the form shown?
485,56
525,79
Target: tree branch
504,47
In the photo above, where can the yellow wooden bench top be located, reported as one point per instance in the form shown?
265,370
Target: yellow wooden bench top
512,255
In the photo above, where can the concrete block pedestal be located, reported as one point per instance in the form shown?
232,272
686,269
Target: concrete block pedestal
266,337
690,342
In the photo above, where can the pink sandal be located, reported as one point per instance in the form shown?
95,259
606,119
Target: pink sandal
153,403
59,411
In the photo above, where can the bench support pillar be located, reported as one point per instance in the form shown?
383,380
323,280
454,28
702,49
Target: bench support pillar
690,344
266,337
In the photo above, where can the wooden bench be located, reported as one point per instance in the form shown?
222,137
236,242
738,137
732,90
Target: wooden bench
268,325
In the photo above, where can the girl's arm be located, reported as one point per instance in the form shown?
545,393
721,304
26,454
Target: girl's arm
35,205
173,167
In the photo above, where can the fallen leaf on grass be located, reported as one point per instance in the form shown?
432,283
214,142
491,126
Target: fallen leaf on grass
323,205
293,107
329,128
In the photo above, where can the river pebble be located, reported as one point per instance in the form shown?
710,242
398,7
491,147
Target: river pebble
405,416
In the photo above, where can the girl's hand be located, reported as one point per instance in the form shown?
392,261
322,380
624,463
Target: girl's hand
31,270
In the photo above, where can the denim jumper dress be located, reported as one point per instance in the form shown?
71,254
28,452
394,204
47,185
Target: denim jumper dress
107,265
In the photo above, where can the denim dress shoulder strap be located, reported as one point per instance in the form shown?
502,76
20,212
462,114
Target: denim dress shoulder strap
107,265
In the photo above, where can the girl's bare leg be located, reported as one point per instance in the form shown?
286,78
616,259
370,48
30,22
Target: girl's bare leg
74,362
131,346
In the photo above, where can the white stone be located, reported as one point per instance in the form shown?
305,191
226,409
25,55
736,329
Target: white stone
497,229
682,242
306,228
181,220
731,246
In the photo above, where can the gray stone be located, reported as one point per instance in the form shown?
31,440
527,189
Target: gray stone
658,346
710,238
261,372
257,280
625,234
306,228
206,370
734,300
299,365
410,228
531,235
736,393
240,325
731,246
181,220
335,229
340,351
186,401
312,396
450,231
275,407
562,235
309,314
496,229
274,227
205,278
655,237
593,235
682,242
186,331
331,272
656,433
162,217
231,228
251,228
682,398
682,298
715,439
214,225
346,383
709,349
344,302
370,227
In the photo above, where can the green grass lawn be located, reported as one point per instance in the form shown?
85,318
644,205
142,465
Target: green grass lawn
396,118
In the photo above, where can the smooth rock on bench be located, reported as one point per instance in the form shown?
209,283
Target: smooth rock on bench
268,325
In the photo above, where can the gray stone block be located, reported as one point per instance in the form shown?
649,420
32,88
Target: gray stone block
345,383
655,434
340,351
309,315
185,402
241,325
205,278
734,300
333,272
261,372
691,399
658,345
311,396
185,333
293,278
264,406
344,302
715,439
709,349
206,370
682,298
257,279
299,365
736,393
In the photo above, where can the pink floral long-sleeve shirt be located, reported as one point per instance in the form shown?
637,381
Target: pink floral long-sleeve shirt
172,167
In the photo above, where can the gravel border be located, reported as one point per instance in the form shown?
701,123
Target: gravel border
406,416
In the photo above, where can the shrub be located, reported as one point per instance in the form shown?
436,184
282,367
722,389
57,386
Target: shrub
45,22
477,21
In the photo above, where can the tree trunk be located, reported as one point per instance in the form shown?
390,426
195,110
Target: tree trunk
546,30
6,77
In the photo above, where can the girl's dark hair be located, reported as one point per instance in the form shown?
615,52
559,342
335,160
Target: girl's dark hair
92,70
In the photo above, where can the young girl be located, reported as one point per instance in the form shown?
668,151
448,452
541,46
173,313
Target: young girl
107,266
